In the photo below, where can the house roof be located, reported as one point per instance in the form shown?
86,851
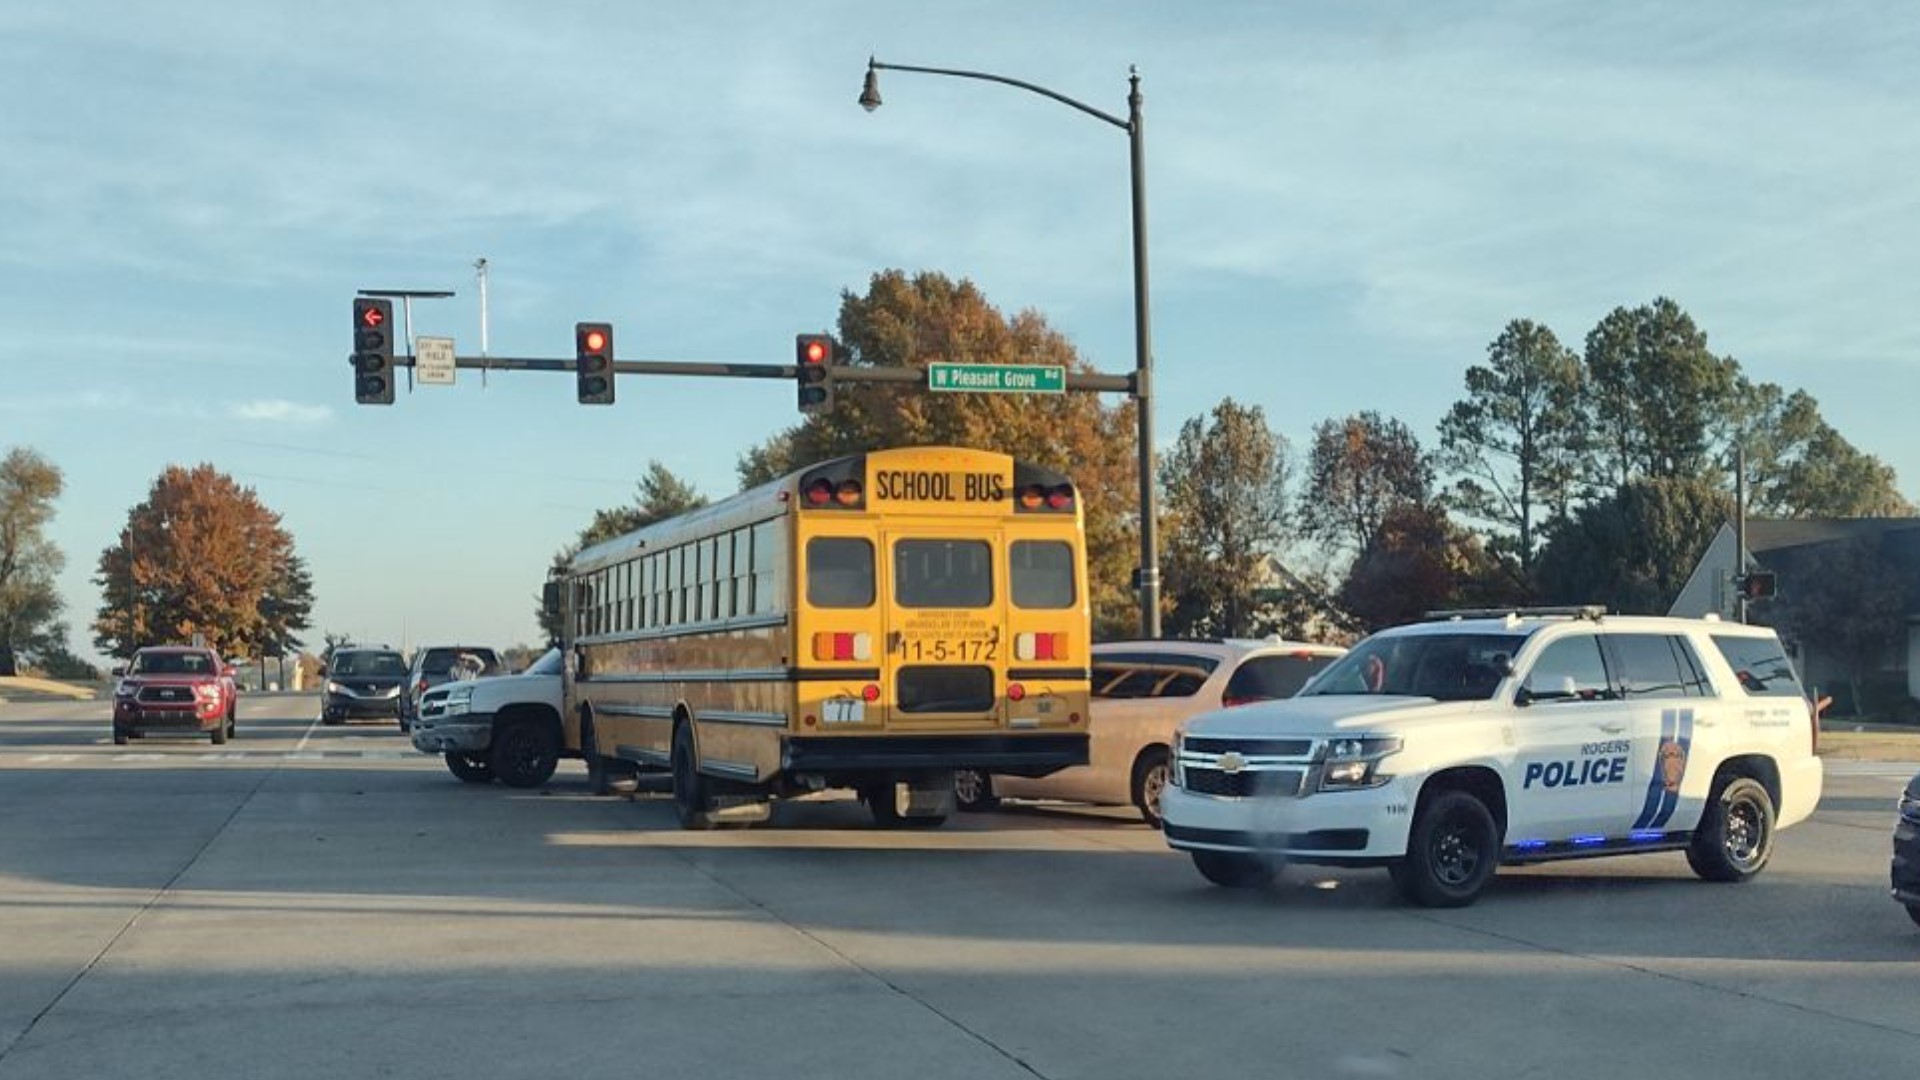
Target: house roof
1781,534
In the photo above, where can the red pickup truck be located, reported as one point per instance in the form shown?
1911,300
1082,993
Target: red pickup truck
174,690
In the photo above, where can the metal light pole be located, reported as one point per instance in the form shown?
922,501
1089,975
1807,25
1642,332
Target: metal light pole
1148,574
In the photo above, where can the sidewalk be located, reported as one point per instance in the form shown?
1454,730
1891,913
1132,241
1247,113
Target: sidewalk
1842,741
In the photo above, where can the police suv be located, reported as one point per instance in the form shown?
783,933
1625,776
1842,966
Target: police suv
1443,749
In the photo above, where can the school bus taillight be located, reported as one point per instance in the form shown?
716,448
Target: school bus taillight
1040,646
1057,497
831,646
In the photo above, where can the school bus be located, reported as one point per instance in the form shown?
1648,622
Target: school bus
872,623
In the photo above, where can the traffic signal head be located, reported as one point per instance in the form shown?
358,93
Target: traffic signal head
813,370
593,362
1758,585
372,351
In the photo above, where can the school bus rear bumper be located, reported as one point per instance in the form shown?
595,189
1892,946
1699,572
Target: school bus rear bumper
1017,755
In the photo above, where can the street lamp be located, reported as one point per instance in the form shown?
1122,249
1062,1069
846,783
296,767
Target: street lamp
1148,575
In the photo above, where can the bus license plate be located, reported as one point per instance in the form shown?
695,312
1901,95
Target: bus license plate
845,710
943,650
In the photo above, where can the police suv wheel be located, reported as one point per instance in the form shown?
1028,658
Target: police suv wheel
1452,851
1913,912
1735,837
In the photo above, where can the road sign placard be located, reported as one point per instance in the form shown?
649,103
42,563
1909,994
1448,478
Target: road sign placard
433,361
997,378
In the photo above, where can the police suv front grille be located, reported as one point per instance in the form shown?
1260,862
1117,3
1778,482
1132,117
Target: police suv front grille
1298,748
1243,783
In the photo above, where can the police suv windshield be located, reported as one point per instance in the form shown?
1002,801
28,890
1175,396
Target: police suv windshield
1445,667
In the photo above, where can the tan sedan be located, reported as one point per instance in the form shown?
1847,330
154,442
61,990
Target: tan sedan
1142,690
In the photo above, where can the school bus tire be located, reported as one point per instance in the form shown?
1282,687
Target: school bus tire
692,802
605,775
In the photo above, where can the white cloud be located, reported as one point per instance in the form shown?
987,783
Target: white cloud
280,411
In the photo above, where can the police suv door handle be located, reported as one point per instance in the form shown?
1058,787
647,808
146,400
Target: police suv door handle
1611,729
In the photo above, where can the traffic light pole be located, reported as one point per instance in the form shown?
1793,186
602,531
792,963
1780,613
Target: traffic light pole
1115,384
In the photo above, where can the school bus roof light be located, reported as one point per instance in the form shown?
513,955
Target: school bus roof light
1032,497
848,493
1060,498
820,492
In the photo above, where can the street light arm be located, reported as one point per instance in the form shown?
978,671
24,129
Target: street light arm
983,76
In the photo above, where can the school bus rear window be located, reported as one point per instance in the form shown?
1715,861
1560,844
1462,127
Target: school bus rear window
943,573
839,572
1042,572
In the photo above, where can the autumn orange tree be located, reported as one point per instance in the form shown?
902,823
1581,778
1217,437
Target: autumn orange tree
910,322
201,555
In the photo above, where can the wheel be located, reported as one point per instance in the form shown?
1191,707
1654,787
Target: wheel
1913,912
973,791
220,734
1150,773
405,727
469,767
1735,836
525,753
691,802
605,775
233,729
119,737
331,721
1451,852
1232,870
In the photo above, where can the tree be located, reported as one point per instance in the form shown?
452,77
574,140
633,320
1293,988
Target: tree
30,604
1655,394
659,495
1797,465
1419,562
1360,468
1517,438
908,323
200,556
1632,552
1226,501
1856,609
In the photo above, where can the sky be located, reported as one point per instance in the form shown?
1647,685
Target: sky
1346,203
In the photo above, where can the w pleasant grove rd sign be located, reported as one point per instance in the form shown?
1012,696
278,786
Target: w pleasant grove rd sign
998,378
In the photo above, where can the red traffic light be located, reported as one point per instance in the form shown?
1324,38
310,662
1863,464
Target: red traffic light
816,352
372,316
813,350
593,340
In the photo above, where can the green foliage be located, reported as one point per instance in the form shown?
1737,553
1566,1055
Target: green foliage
1632,552
905,322
1517,440
200,556
1226,507
1656,394
1798,466
30,603
1359,470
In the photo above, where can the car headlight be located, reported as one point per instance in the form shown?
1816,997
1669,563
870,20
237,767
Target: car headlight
1353,762
1910,807
332,687
126,689
459,701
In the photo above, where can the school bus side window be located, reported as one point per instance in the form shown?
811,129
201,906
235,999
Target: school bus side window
840,572
943,573
1042,574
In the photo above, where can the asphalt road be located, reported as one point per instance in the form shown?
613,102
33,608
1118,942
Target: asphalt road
323,902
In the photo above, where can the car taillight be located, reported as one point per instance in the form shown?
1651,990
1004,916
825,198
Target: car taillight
1235,702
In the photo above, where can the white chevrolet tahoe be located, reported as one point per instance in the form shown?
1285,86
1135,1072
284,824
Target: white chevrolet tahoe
504,727
1443,749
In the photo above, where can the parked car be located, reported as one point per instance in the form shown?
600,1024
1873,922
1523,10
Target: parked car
1906,850
363,683
175,690
436,664
1142,690
1444,749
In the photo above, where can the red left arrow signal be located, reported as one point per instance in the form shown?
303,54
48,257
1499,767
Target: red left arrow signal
372,316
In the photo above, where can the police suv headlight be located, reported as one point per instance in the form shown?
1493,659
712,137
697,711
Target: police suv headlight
459,702
1353,763
1175,775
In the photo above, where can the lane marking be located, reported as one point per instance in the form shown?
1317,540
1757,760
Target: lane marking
311,727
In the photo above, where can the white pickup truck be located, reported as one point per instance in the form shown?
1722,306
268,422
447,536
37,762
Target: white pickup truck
504,727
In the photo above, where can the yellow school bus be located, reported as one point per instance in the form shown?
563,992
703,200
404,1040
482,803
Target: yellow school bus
871,623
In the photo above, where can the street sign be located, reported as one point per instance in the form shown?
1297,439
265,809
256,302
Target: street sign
433,361
998,378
